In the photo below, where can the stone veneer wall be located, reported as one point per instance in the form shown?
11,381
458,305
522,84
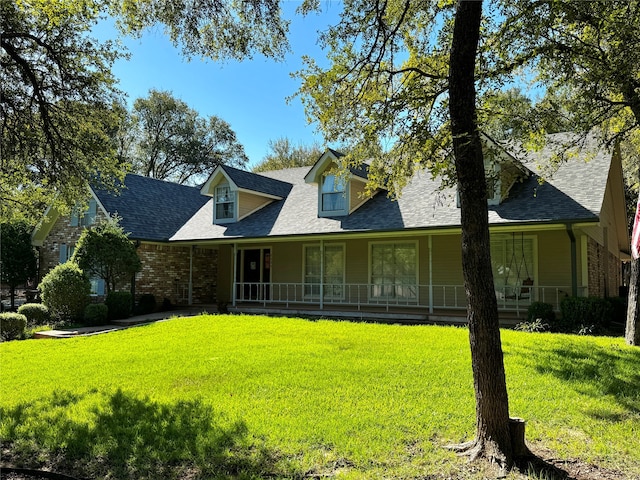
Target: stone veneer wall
61,233
165,268
165,273
596,270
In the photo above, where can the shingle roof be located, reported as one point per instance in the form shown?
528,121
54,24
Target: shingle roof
257,183
574,193
152,209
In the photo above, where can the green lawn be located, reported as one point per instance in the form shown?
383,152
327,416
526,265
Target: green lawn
254,397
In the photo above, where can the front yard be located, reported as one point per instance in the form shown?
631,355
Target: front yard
219,396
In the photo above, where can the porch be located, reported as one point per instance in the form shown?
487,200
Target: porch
433,303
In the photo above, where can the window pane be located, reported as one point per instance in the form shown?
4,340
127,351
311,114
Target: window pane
393,270
332,202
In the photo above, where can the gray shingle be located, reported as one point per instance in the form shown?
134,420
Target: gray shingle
152,209
574,193
257,183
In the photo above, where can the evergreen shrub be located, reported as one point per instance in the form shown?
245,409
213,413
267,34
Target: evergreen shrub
66,292
96,314
146,304
12,326
119,305
580,314
37,314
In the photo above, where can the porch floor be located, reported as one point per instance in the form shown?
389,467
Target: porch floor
403,315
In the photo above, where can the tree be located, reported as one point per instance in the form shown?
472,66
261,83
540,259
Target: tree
389,79
587,54
56,91
105,251
18,262
172,142
286,155
56,86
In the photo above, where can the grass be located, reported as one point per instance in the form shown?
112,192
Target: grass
254,397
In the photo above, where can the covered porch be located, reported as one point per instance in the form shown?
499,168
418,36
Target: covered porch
421,300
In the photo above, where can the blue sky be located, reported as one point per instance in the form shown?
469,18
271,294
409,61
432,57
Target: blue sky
250,95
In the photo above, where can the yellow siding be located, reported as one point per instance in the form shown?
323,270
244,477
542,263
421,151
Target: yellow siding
554,258
447,260
356,194
248,203
286,262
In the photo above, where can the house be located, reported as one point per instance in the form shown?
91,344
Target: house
309,240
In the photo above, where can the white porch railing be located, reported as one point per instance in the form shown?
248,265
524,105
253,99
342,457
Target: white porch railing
391,296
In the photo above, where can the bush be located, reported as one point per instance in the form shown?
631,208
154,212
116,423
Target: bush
37,314
146,304
166,305
66,292
119,305
96,314
12,326
585,314
542,311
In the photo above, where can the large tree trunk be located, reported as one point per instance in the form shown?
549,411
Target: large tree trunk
632,332
493,439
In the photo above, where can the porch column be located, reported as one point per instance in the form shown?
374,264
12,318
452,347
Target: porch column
430,274
234,268
574,261
321,274
191,275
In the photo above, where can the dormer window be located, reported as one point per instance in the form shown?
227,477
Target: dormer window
333,194
225,204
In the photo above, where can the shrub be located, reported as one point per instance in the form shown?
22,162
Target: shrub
96,314
585,314
66,292
36,313
119,305
146,304
12,326
542,311
166,305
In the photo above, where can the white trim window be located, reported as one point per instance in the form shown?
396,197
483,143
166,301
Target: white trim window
224,209
394,270
513,260
331,273
84,218
333,196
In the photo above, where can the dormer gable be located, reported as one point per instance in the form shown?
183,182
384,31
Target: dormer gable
237,193
502,170
339,192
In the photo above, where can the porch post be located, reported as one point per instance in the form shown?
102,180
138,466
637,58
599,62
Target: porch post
574,261
235,274
191,275
430,274
321,274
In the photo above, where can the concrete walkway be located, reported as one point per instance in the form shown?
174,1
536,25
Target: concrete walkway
118,324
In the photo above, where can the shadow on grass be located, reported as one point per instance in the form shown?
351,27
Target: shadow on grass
593,370
123,436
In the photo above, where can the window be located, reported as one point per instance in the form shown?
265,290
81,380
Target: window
333,281
394,269
225,204
97,286
80,218
512,261
333,196
66,252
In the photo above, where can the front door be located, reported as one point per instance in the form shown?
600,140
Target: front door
254,274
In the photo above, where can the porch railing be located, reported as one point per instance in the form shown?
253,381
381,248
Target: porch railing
386,296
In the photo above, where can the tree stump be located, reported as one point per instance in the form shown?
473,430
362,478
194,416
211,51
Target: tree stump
518,445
